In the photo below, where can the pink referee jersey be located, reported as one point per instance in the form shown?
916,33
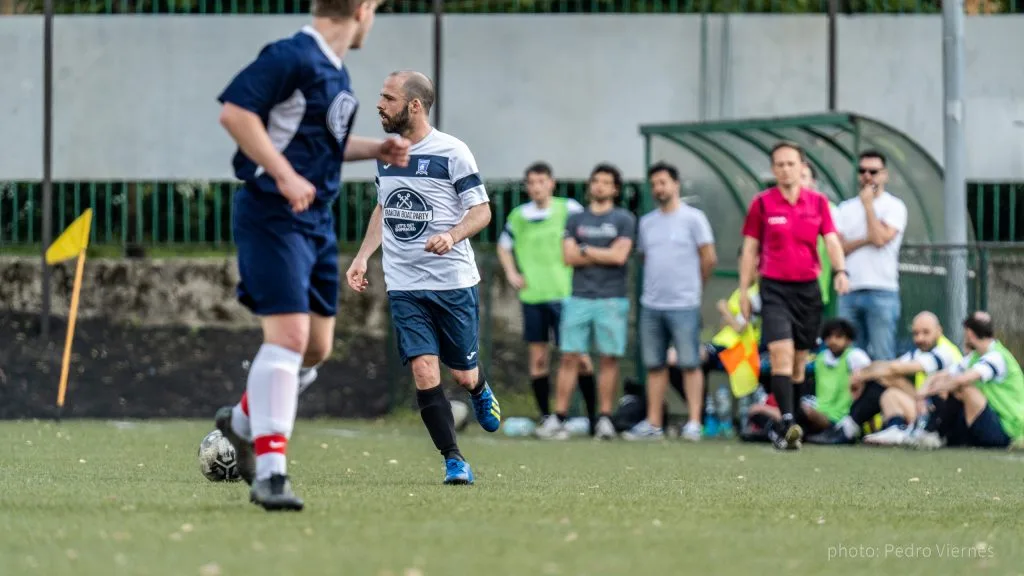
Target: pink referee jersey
788,233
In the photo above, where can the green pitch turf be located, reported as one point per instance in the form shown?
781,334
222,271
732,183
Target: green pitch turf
99,498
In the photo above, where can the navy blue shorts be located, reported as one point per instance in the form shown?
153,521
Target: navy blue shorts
286,265
984,432
540,321
442,323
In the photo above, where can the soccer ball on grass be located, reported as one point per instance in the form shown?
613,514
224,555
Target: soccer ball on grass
217,460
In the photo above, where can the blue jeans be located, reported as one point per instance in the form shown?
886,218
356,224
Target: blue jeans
875,314
661,328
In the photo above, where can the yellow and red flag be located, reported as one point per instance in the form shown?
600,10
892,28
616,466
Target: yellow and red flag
743,364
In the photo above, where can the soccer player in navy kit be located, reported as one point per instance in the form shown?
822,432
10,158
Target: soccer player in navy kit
425,215
290,111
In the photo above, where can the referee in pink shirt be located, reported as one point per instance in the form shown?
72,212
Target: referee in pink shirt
780,235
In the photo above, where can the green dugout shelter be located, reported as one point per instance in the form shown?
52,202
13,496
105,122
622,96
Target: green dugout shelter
723,164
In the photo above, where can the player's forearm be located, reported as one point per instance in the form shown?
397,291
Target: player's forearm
835,251
374,231
361,148
475,220
248,131
508,262
708,261
747,266
851,246
606,256
876,229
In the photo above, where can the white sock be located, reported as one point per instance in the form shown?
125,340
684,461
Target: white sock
848,426
272,390
240,420
306,377
240,423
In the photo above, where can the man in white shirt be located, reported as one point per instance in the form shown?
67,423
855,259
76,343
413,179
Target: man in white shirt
871,227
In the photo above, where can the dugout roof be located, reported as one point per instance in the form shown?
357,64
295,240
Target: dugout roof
723,164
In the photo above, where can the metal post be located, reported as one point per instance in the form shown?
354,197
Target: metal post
833,8
438,37
954,188
44,316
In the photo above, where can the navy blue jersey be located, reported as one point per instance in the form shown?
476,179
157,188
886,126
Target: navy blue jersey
301,90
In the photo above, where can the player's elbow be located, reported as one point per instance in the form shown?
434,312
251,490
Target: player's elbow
484,214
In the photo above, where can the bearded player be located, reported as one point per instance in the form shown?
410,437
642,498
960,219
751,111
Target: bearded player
425,215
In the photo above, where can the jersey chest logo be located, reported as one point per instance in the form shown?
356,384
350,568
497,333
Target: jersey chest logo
407,214
339,115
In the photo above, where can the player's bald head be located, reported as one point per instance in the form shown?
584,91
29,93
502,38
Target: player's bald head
416,86
927,320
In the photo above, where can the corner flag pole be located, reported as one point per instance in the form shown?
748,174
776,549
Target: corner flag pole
71,244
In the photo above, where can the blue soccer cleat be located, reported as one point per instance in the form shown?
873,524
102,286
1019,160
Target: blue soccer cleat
488,412
457,472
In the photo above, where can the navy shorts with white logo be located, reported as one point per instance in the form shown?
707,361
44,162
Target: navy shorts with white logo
443,323
287,264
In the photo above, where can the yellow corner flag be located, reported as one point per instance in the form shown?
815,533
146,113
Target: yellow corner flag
72,243
743,364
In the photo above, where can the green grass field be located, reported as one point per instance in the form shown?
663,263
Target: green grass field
102,498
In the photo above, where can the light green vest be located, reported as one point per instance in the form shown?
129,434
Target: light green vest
1006,395
727,337
832,386
538,250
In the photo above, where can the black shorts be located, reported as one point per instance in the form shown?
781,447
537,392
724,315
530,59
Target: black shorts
541,321
985,432
790,311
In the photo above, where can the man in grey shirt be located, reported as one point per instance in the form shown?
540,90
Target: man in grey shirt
597,245
679,255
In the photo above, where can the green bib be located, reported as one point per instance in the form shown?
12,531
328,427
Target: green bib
949,347
1006,395
538,250
832,386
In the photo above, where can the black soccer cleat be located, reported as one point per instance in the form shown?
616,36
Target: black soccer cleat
275,494
244,457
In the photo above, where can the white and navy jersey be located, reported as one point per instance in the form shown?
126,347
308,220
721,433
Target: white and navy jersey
427,197
932,361
991,366
301,90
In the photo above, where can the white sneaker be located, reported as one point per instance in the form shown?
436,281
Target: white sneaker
927,440
552,429
891,436
604,430
643,431
691,432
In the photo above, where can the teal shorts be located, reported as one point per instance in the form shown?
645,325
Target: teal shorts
602,321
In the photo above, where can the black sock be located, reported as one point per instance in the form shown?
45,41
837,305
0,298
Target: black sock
863,410
562,416
481,382
542,393
588,388
895,421
437,415
782,388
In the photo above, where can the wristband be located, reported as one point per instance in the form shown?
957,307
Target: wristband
583,249
838,272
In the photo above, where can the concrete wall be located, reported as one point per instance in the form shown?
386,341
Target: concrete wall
135,96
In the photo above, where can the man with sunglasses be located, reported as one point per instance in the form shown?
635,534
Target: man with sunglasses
871,227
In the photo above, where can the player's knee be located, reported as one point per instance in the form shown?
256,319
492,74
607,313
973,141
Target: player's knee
317,352
570,360
539,363
586,364
425,371
290,331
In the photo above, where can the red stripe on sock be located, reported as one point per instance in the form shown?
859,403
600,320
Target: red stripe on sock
244,403
274,443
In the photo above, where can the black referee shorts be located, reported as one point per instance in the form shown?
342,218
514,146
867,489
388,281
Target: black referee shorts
790,311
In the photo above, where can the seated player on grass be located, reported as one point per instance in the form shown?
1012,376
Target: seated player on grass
979,402
902,378
826,397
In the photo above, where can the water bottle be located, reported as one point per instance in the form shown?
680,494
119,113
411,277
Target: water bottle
723,401
711,424
744,409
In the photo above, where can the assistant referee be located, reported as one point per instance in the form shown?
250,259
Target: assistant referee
780,238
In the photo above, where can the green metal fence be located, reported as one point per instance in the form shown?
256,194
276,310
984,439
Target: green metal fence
522,6
193,215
